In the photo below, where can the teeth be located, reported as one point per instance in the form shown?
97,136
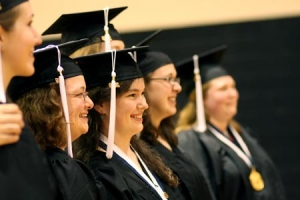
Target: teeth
136,116
172,98
83,115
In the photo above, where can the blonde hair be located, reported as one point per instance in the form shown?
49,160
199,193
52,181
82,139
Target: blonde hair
187,116
87,50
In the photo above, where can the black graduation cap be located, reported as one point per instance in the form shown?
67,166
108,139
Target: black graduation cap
209,65
151,60
97,68
90,25
148,39
5,5
45,64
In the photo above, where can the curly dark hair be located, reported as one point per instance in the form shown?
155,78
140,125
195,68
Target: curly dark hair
42,111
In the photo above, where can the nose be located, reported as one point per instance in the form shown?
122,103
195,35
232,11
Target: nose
38,38
89,103
177,87
143,104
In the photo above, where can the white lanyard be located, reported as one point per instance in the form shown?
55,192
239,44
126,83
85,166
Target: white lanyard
151,181
246,155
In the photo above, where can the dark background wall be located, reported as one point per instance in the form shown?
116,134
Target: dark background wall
264,58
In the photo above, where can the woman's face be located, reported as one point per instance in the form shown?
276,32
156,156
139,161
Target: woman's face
130,107
161,94
17,44
79,104
221,98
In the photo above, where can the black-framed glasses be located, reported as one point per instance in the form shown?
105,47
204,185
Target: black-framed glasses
82,95
171,80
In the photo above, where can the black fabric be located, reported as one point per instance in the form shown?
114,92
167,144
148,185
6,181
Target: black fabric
231,171
90,25
119,180
9,4
210,67
193,184
151,60
97,68
75,180
25,172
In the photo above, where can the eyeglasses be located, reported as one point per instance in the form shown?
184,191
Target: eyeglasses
82,95
171,80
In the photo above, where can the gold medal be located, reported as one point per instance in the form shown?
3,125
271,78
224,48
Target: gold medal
256,180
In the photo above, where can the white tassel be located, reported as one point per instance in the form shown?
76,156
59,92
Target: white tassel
63,96
112,116
107,37
201,122
2,90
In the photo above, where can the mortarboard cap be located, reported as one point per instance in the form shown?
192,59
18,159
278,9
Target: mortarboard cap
148,39
149,61
97,68
90,25
45,64
6,5
209,65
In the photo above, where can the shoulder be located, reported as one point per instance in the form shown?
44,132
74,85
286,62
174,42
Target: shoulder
186,136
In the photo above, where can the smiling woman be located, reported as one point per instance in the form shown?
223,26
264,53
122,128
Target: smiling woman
24,171
55,123
235,164
118,158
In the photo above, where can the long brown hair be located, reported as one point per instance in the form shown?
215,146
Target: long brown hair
43,112
187,116
87,144
165,129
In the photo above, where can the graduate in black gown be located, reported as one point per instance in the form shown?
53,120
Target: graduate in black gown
237,166
162,88
117,157
55,105
24,170
102,34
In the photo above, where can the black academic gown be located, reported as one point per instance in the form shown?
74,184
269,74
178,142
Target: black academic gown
74,179
119,180
25,172
193,184
228,174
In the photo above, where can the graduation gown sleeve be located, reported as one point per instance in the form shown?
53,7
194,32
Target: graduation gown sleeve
24,171
75,180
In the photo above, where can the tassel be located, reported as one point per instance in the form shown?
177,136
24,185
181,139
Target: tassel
63,96
112,116
107,37
201,122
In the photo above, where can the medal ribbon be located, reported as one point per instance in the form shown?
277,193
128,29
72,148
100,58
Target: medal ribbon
245,155
150,180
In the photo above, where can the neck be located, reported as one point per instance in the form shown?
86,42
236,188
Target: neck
219,124
123,142
155,119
